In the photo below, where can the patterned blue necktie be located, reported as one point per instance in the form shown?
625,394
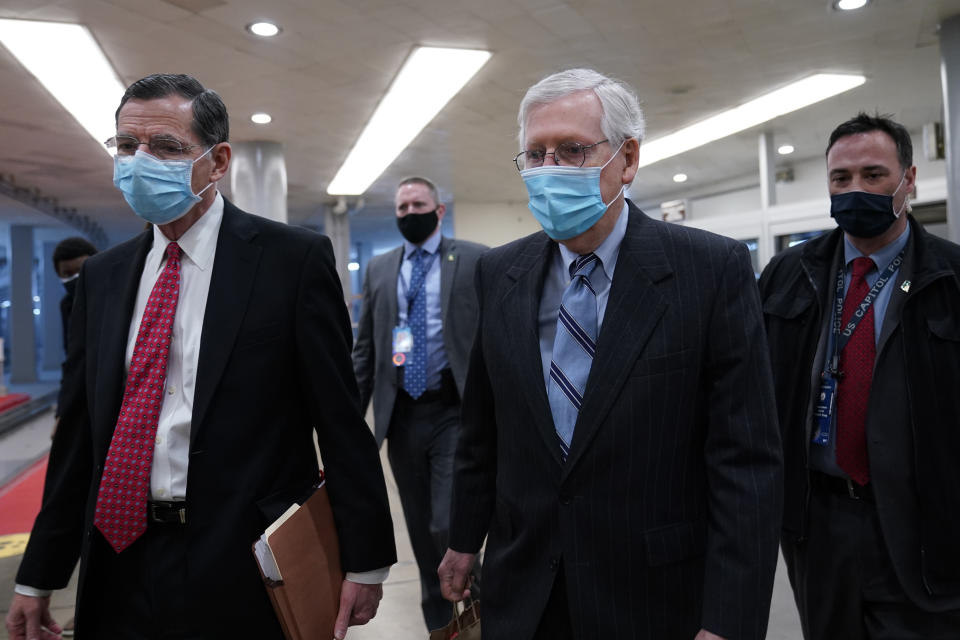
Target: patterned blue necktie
415,369
573,348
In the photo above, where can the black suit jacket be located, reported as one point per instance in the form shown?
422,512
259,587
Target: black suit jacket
274,366
665,514
912,413
376,374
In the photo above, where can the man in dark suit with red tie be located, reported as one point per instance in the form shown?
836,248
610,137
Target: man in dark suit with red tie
865,344
619,448
204,355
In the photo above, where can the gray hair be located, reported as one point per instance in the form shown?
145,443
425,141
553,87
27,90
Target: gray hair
622,116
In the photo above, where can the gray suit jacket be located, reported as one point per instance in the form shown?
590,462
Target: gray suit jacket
376,374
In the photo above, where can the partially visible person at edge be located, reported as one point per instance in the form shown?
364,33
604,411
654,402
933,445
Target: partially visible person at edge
864,331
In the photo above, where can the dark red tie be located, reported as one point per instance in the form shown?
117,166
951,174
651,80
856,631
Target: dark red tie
853,390
121,513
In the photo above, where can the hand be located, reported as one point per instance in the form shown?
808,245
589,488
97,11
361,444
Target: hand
454,573
358,605
29,619
706,635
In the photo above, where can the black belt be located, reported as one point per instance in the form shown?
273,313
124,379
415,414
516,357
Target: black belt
841,486
447,393
166,512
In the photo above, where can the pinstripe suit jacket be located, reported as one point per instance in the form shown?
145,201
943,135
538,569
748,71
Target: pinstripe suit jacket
666,514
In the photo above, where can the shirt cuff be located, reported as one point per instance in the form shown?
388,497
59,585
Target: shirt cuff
24,590
377,576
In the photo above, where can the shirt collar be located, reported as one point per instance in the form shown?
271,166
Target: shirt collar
198,243
609,249
430,245
881,258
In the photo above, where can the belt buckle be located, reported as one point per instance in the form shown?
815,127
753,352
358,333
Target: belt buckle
851,490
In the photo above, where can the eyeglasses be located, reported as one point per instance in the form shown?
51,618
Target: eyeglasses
163,148
567,154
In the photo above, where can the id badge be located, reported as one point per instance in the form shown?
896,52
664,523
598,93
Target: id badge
402,344
823,410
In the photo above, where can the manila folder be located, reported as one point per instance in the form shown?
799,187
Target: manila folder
308,556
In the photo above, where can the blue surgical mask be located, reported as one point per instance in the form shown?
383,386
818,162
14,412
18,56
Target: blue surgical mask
863,214
159,191
566,201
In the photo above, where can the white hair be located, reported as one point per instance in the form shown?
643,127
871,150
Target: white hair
622,116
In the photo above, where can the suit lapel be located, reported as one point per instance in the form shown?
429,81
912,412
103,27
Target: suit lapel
124,279
447,255
234,270
633,311
520,307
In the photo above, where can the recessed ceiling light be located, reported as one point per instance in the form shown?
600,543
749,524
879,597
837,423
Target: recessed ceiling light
69,63
261,118
849,5
353,266
404,111
680,177
794,96
785,149
264,29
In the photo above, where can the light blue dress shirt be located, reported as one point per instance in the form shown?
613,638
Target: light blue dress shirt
558,277
436,354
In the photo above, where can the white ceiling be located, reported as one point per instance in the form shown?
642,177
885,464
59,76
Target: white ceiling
322,77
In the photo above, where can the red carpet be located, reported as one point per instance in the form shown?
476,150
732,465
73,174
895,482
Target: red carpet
12,400
20,499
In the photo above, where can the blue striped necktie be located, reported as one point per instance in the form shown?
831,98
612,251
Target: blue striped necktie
573,347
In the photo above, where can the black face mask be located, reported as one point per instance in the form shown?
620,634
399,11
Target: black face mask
863,214
417,227
70,286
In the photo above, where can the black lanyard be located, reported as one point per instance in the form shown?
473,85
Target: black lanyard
841,333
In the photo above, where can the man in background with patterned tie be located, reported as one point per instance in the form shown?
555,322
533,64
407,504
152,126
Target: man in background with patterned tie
417,323
203,356
864,332
619,447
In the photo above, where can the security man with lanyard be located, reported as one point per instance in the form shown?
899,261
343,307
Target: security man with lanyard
864,331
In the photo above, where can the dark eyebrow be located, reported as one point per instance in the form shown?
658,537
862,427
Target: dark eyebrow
875,167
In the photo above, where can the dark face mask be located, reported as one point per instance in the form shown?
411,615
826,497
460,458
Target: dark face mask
863,214
417,227
70,286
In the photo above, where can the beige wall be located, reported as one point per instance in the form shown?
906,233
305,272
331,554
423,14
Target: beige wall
495,223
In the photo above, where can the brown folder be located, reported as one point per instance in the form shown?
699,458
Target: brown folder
308,555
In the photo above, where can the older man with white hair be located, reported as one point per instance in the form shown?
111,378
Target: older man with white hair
619,444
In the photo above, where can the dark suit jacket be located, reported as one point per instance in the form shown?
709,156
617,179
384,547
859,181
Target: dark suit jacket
274,366
913,410
665,514
376,374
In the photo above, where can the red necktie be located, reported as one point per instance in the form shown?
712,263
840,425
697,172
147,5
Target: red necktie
121,513
853,390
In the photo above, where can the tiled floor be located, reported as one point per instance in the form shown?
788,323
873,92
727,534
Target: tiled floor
399,617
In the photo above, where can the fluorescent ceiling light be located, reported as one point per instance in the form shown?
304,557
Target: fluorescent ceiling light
850,5
680,177
429,78
792,97
263,29
70,64
785,149
261,118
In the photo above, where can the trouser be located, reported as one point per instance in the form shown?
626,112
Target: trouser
555,622
843,579
422,441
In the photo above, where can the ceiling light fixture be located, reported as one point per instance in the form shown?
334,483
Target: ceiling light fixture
849,5
404,111
69,63
785,149
261,118
680,177
792,97
263,29
353,266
